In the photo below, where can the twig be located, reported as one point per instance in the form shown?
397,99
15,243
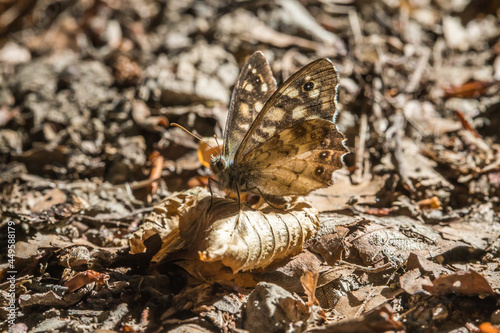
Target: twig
113,219
419,71
398,150
382,268
366,300
360,148
355,26
12,14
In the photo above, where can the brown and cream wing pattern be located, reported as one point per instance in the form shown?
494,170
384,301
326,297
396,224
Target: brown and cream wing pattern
308,94
254,87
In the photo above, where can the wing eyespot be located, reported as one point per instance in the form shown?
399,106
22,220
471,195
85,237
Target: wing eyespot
308,86
319,171
323,155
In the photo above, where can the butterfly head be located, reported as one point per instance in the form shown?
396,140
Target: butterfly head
217,164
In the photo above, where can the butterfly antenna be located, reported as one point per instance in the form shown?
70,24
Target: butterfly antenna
195,136
217,141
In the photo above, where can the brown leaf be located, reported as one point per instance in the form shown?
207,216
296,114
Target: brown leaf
426,266
380,319
331,246
309,281
466,124
432,203
413,281
364,299
468,283
271,308
344,192
83,278
206,149
468,90
287,273
165,219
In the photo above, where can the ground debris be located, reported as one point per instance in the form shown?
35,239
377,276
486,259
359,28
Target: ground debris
116,222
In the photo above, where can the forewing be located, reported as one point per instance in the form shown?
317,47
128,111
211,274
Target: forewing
297,160
308,94
254,87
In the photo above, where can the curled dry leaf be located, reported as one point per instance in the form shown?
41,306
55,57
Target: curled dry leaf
214,229
249,239
205,151
165,219
310,281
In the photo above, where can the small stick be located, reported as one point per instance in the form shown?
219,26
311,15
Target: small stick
360,147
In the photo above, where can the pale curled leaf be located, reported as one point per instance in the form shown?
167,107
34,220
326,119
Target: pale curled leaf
250,240
202,224
212,229
165,219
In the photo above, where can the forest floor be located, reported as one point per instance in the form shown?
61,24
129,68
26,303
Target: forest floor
106,202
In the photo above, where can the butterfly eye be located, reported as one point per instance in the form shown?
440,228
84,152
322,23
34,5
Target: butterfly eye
308,86
220,164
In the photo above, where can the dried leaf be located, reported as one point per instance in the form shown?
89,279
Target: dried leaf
206,150
466,124
467,283
214,229
345,192
468,90
412,281
248,239
432,203
50,299
331,246
309,281
83,278
364,299
156,160
287,273
330,283
380,319
165,219
271,308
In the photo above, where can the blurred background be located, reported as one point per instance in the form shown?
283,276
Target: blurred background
88,88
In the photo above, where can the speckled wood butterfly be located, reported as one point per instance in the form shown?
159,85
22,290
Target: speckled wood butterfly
281,142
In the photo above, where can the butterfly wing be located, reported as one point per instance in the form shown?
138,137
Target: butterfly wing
297,160
254,87
308,94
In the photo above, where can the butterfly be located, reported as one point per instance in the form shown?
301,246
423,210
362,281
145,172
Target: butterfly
281,142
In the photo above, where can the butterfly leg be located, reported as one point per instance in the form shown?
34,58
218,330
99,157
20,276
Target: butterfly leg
238,190
210,180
